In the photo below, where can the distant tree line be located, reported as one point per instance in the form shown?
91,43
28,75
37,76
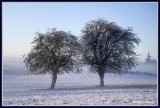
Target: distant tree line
104,46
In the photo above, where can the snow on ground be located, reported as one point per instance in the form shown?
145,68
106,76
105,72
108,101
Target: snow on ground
33,90
144,97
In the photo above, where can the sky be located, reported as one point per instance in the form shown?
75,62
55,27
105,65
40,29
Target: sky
20,22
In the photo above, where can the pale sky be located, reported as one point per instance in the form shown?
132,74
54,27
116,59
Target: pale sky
20,21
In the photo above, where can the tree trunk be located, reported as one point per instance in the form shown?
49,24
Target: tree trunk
101,75
54,78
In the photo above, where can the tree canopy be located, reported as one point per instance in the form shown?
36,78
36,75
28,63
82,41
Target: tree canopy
108,48
53,52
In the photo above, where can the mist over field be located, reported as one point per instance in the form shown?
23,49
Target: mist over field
17,65
145,73
142,74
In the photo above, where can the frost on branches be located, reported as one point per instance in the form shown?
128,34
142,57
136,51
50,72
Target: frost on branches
54,52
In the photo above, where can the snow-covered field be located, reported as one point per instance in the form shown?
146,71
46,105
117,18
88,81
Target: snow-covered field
20,88
87,97
80,89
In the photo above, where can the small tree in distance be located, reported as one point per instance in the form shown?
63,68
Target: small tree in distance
149,59
108,48
53,52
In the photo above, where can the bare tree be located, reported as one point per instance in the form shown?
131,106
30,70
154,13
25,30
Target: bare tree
108,48
53,52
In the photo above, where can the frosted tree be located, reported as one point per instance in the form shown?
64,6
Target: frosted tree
54,52
149,59
108,48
